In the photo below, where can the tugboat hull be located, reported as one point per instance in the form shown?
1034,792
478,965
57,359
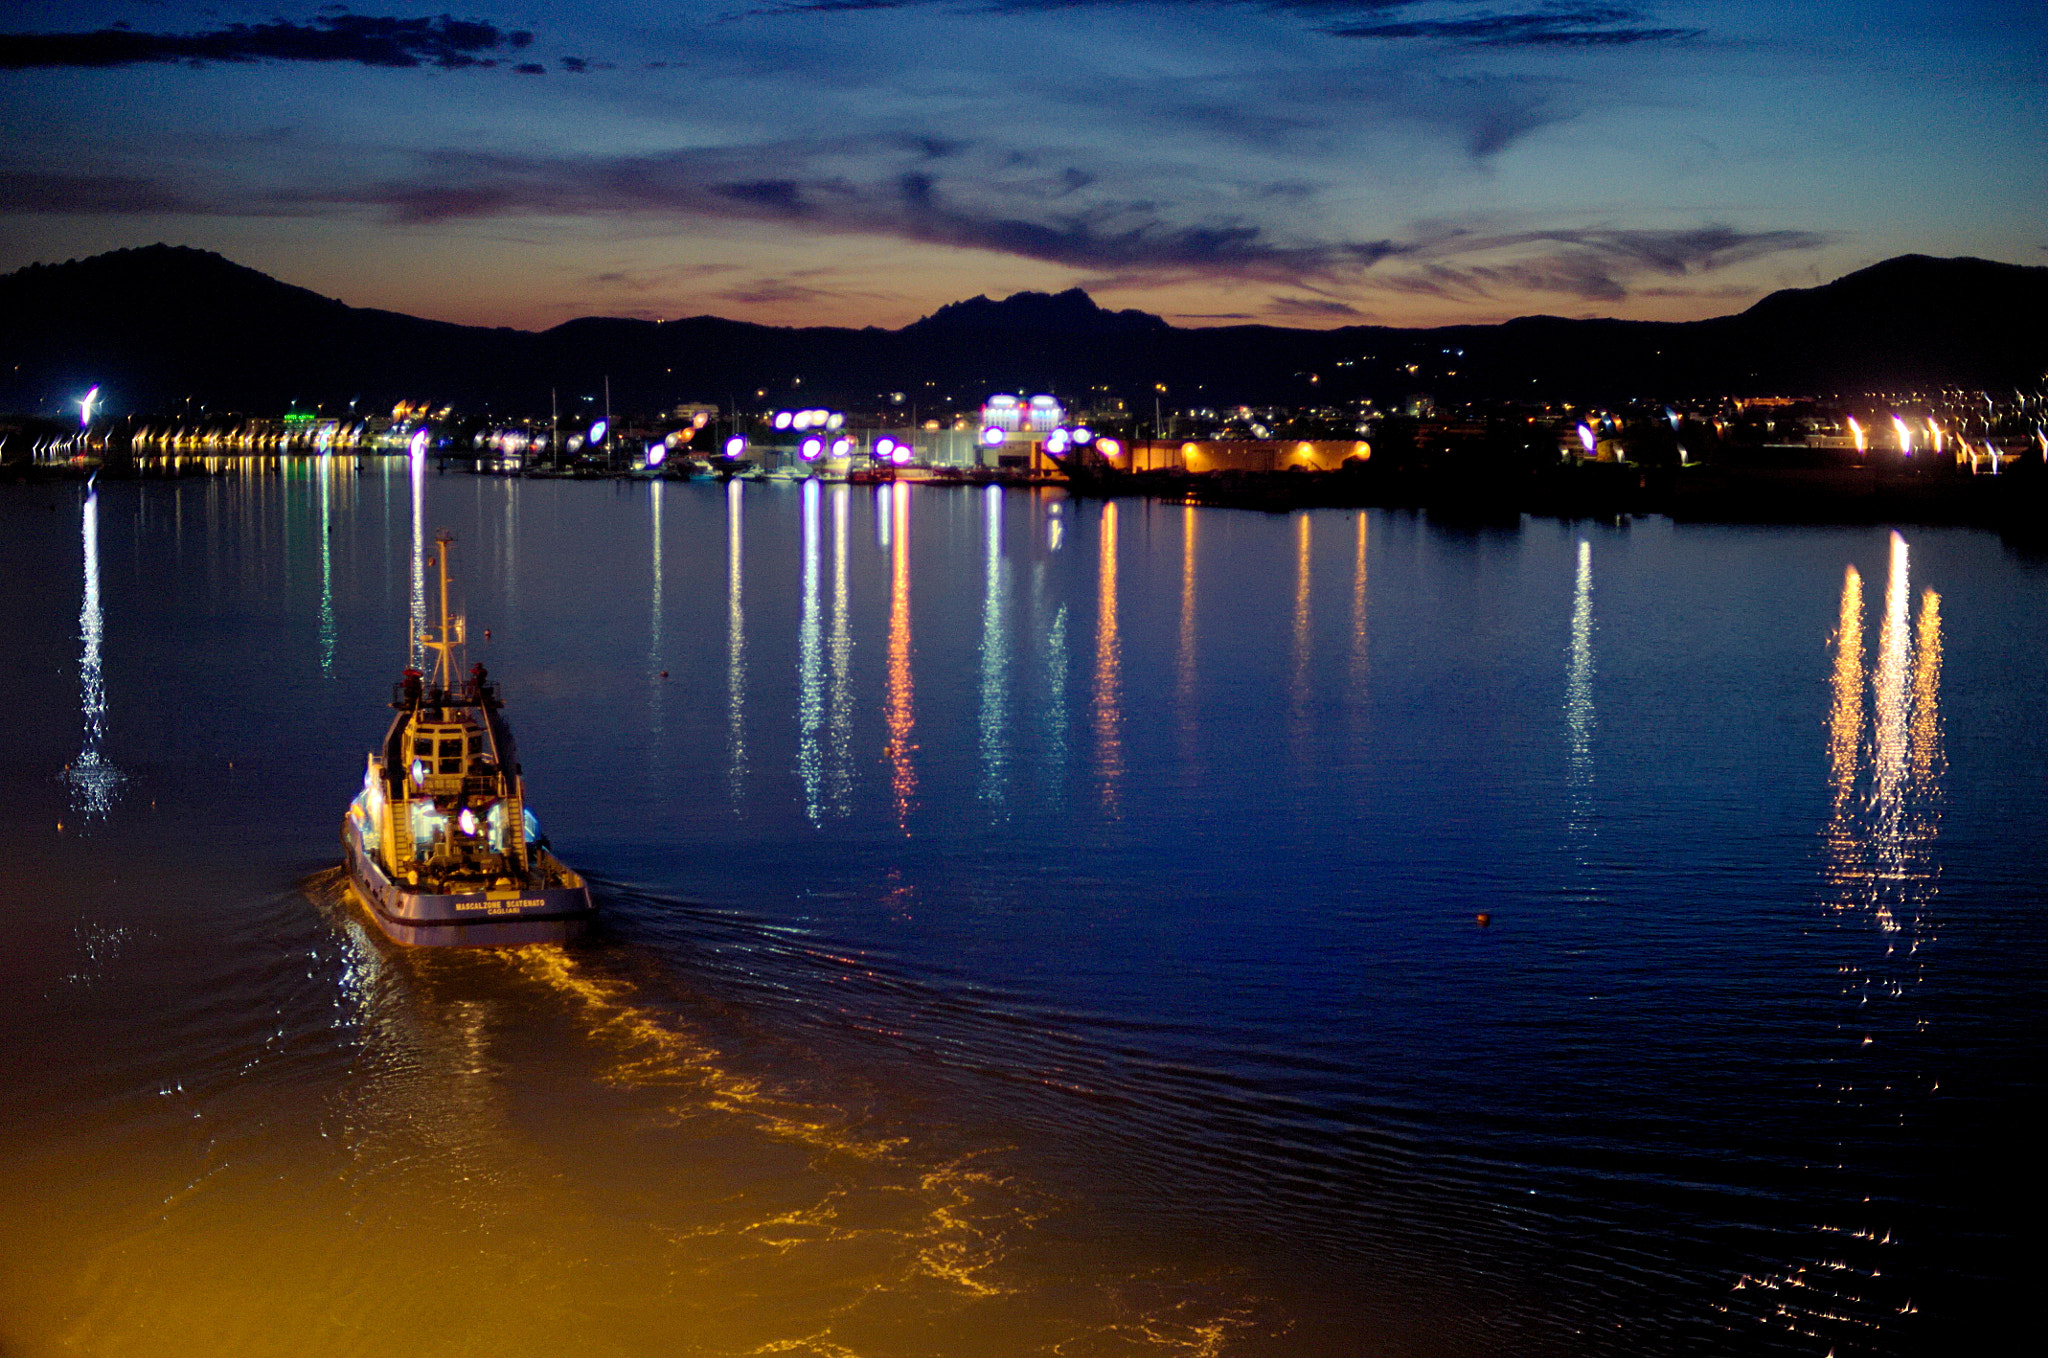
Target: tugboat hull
478,919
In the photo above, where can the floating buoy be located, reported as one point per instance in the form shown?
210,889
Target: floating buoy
1484,919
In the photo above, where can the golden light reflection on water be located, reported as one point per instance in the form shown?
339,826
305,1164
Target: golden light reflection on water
1361,653
523,1152
1885,770
900,752
1845,714
1108,710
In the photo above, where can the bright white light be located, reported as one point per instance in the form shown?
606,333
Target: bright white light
1905,436
835,421
657,453
735,445
1586,438
418,446
597,431
811,449
1856,432
85,407
901,455
992,436
883,445
783,419
467,820
1057,442
1082,435
841,447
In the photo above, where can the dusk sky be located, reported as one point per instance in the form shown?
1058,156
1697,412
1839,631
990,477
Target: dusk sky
851,162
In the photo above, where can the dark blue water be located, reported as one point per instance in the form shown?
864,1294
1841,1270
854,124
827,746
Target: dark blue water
1031,927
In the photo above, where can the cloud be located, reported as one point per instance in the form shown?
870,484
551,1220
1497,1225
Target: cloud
363,39
775,292
847,188
1319,307
796,183
1597,265
892,188
90,194
1593,26
1555,26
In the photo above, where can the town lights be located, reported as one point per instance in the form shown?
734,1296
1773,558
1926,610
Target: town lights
993,436
812,448
736,445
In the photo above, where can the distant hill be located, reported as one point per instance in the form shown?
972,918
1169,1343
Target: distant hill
1072,312
159,327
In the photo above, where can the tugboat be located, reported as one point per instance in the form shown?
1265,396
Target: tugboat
439,842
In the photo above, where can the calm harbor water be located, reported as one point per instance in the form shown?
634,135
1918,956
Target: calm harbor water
1032,927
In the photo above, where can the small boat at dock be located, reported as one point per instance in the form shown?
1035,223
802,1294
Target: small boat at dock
440,843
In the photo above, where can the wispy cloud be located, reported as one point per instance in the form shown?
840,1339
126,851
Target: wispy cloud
1321,308
1591,26
362,39
1595,265
941,194
1554,25
91,194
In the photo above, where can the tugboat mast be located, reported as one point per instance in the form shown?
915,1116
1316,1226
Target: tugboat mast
450,633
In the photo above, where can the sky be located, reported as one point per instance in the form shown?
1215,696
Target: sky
863,162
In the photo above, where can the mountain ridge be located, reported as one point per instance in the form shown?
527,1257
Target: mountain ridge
166,327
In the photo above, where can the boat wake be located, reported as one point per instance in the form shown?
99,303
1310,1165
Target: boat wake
686,1155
